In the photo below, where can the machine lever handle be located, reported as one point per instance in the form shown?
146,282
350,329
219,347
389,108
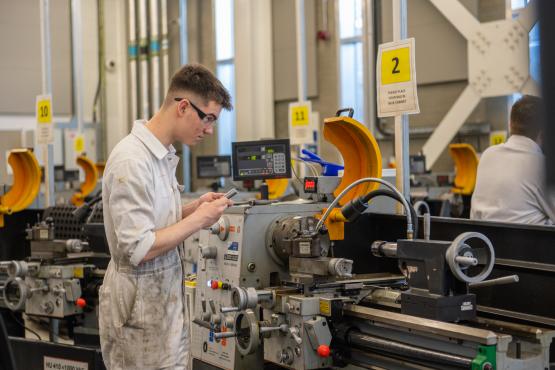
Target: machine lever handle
499,281
282,327
466,261
202,323
228,309
294,331
225,334
212,306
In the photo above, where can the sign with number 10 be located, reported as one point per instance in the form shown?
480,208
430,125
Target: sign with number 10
45,129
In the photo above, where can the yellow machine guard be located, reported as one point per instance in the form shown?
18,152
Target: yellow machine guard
277,187
361,158
91,178
466,167
360,152
26,182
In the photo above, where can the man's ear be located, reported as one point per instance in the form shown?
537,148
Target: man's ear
182,106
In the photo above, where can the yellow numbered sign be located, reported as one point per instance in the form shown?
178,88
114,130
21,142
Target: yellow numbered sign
44,111
396,66
79,144
300,115
497,137
396,83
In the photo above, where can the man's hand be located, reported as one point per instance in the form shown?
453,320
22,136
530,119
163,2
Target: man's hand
209,212
209,197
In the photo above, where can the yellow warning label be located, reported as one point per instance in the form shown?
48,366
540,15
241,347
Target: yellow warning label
299,115
396,66
79,144
78,272
325,307
44,111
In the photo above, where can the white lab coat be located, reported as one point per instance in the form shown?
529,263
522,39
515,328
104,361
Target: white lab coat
510,184
141,312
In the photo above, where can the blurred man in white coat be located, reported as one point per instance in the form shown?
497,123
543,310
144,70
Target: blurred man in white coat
510,184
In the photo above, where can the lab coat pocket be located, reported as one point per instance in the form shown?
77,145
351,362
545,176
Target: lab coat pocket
124,304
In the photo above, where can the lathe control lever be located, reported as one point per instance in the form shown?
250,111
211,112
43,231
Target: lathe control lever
499,281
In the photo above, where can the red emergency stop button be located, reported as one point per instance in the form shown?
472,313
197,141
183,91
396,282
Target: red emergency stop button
80,302
323,350
214,284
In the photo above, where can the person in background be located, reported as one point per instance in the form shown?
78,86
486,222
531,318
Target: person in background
142,319
510,183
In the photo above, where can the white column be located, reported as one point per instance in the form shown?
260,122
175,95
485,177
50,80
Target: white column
117,91
254,103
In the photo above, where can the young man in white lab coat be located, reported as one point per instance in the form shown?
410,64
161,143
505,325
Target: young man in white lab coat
142,316
510,184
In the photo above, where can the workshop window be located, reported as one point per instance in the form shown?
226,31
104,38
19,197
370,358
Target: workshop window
534,40
225,69
351,59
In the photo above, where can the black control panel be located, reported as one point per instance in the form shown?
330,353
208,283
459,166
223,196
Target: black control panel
213,166
260,160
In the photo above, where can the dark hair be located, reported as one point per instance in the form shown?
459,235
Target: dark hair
197,79
526,117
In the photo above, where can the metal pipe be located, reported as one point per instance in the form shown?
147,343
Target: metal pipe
499,281
54,330
184,59
401,121
369,55
358,339
410,221
46,63
144,104
154,55
77,61
301,50
132,53
164,46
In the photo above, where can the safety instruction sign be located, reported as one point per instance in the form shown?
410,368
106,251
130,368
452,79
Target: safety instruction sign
300,123
396,79
45,127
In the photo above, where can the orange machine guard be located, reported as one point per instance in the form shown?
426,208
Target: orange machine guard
91,178
360,152
26,182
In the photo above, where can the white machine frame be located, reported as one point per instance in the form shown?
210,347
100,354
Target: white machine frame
498,65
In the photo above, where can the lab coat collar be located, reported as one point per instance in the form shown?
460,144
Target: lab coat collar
150,141
523,143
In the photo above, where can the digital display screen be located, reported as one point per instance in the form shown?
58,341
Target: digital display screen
214,166
259,160
310,185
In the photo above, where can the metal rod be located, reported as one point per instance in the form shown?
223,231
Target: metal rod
301,50
77,61
369,61
225,334
47,149
466,261
132,53
371,342
154,55
164,46
184,59
144,103
402,121
499,281
54,330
